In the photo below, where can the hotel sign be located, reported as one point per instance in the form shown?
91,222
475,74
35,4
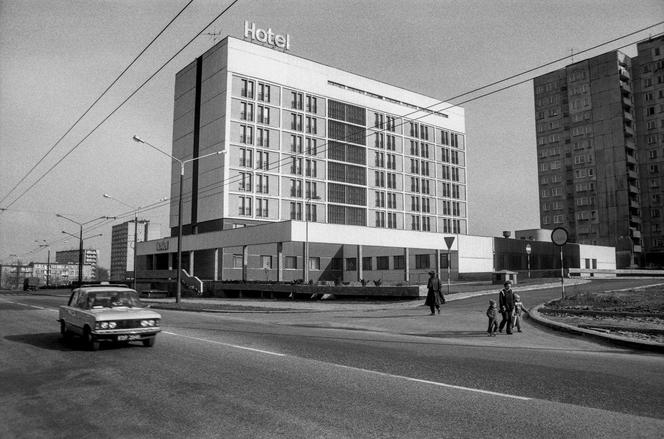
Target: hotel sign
162,245
266,36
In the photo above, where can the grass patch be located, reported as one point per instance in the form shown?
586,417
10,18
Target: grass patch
650,300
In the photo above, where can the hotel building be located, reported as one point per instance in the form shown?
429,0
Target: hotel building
326,175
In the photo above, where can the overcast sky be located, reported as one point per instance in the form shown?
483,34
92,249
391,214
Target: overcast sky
57,57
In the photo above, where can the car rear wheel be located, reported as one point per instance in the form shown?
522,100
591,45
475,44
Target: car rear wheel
66,335
91,343
149,342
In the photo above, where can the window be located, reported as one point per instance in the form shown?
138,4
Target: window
314,263
244,207
391,220
382,263
290,263
263,93
246,134
337,264
237,261
296,211
245,182
312,126
262,160
366,263
312,104
296,100
399,262
422,261
296,143
296,122
247,111
263,115
296,188
263,137
311,146
247,88
266,262
262,209
351,264
246,157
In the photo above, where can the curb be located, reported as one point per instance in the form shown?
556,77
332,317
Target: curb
533,313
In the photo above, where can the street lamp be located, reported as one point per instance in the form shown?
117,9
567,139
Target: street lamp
80,240
137,139
529,249
48,261
307,212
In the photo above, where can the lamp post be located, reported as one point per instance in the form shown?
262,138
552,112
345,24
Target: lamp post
307,212
137,139
136,210
80,240
48,261
529,249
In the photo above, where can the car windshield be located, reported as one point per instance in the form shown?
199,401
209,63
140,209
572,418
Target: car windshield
113,299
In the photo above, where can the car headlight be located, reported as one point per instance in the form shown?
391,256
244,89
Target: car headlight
103,325
112,325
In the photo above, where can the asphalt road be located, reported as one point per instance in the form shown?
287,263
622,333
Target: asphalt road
292,376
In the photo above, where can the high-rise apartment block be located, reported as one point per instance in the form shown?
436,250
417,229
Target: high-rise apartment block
596,167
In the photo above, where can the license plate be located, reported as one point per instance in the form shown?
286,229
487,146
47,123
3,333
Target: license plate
128,337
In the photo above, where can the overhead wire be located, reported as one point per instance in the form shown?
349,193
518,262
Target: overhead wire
132,94
95,102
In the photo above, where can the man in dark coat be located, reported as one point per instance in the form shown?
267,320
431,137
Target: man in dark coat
506,307
433,293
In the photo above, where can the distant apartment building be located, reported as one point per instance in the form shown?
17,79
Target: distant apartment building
599,150
90,257
122,246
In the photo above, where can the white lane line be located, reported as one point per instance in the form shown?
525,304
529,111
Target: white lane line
226,344
358,369
27,304
436,383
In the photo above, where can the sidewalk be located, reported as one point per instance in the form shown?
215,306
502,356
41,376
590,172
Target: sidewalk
409,317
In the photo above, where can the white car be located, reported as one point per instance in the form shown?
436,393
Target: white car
108,313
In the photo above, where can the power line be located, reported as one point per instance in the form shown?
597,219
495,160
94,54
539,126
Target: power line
120,105
95,102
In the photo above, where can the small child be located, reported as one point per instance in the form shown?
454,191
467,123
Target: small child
492,314
518,310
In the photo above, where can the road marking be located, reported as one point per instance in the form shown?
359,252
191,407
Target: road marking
226,344
27,304
358,369
435,383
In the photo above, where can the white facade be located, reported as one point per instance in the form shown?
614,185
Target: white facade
406,182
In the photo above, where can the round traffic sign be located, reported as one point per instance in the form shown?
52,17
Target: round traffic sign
528,248
559,236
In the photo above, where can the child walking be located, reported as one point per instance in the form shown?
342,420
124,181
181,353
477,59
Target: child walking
492,314
518,310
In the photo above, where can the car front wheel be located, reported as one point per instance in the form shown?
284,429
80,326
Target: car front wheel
66,335
90,341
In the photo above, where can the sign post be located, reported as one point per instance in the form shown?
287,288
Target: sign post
559,238
529,249
449,240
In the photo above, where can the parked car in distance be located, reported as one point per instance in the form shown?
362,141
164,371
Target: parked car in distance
114,313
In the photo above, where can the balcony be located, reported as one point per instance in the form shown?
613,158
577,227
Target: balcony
635,233
634,219
632,175
634,204
624,74
633,189
637,248
627,115
625,87
631,160
629,131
